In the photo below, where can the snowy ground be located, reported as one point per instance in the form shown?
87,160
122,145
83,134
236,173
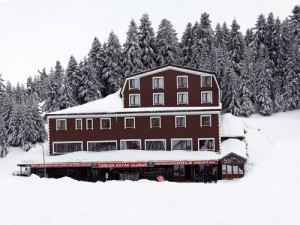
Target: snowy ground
269,194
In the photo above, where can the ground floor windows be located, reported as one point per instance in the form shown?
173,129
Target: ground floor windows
101,146
154,145
66,147
232,169
181,144
130,144
206,144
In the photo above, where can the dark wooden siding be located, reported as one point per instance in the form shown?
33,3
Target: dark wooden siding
142,131
170,90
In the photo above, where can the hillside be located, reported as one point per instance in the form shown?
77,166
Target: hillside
268,194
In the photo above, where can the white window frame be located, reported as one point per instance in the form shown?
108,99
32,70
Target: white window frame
207,139
65,142
202,125
164,140
139,140
163,98
87,128
179,117
206,92
76,124
104,128
61,120
138,79
201,83
182,139
187,98
153,83
125,118
153,118
130,101
187,81
87,144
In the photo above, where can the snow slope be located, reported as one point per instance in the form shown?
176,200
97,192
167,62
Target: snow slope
269,194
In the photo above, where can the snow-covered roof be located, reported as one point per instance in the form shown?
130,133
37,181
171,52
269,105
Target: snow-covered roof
231,126
114,104
228,146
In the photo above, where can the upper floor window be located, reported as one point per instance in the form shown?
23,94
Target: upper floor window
206,97
182,82
89,124
129,122
155,144
158,82
180,121
158,99
206,143
61,124
181,144
155,122
78,124
105,123
134,100
134,83
205,120
206,81
182,98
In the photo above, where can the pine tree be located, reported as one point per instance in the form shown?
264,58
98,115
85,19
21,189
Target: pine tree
16,119
168,51
259,37
72,79
249,37
112,72
3,138
203,48
187,41
88,88
66,97
132,54
147,43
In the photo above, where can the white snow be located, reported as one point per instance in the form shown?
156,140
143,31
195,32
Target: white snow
268,194
232,126
114,104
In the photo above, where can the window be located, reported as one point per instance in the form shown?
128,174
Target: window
129,122
206,97
134,100
61,124
78,124
67,147
182,98
224,170
180,121
182,81
157,82
105,123
89,124
101,146
134,84
181,144
130,144
155,122
205,121
206,81
158,99
154,145
206,143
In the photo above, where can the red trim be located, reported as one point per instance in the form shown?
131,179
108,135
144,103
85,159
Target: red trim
59,165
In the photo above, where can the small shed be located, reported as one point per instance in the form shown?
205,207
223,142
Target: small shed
232,166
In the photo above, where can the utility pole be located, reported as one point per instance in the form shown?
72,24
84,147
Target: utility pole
45,174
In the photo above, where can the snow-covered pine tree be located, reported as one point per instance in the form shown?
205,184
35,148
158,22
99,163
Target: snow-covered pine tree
16,119
203,48
112,72
97,58
249,36
65,97
263,71
132,54
259,37
186,44
72,79
88,88
2,90
147,43
168,51
3,138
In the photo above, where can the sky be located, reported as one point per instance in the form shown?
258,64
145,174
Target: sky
36,33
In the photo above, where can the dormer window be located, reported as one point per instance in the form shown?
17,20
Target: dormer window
206,81
182,82
158,83
134,84
134,100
